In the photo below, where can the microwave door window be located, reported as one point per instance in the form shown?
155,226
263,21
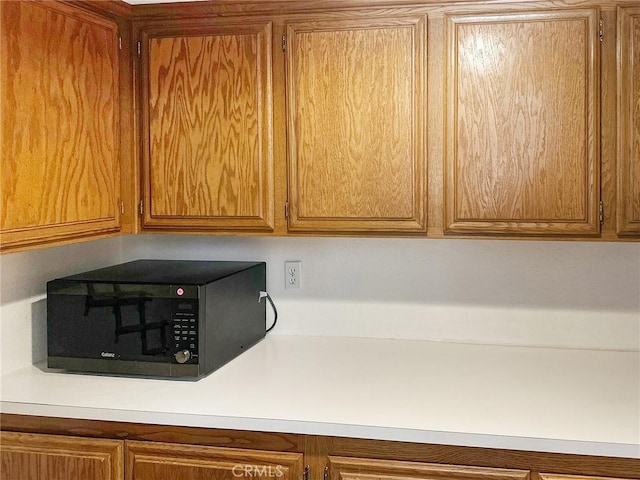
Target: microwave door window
110,323
132,319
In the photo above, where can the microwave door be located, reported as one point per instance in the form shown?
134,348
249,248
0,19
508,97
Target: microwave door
108,321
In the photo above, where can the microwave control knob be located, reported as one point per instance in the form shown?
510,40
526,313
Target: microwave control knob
182,356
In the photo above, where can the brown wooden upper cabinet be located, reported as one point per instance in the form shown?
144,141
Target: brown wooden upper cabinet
522,147
356,109
207,127
59,124
26,456
629,121
154,461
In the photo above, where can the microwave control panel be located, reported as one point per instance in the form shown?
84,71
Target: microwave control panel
185,332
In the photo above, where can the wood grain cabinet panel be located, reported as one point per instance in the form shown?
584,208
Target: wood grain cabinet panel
356,125
555,476
629,121
59,124
27,456
342,468
522,149
163,461
208,155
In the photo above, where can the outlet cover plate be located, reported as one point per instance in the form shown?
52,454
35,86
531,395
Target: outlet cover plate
293,275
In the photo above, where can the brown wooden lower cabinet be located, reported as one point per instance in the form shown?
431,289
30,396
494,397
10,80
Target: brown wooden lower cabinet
164,461
555,476
70,449
342,468
27,456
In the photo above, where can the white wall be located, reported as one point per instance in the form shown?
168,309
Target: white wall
569,294
577,294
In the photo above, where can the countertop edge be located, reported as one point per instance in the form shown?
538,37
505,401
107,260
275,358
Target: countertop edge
602,449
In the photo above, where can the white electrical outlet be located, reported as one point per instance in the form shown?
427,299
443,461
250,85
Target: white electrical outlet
293,275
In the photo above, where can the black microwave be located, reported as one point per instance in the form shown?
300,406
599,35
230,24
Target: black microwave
160,318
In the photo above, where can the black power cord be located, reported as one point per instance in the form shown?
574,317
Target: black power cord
273,306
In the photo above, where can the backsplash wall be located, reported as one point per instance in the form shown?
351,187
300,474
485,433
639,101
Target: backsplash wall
575,294
564,294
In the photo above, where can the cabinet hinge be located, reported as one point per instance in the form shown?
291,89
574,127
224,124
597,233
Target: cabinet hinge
326,473
601,213
305,473
286,209
139,47
120,43
601,29
284,43
121,207
141,207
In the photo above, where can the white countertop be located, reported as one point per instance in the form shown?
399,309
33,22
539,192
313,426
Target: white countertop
541,399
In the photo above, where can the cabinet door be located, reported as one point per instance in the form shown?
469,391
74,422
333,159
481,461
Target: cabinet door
555,476
163,461
629,120
207,114
523,123
59,117
28,456
356,125
342,468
